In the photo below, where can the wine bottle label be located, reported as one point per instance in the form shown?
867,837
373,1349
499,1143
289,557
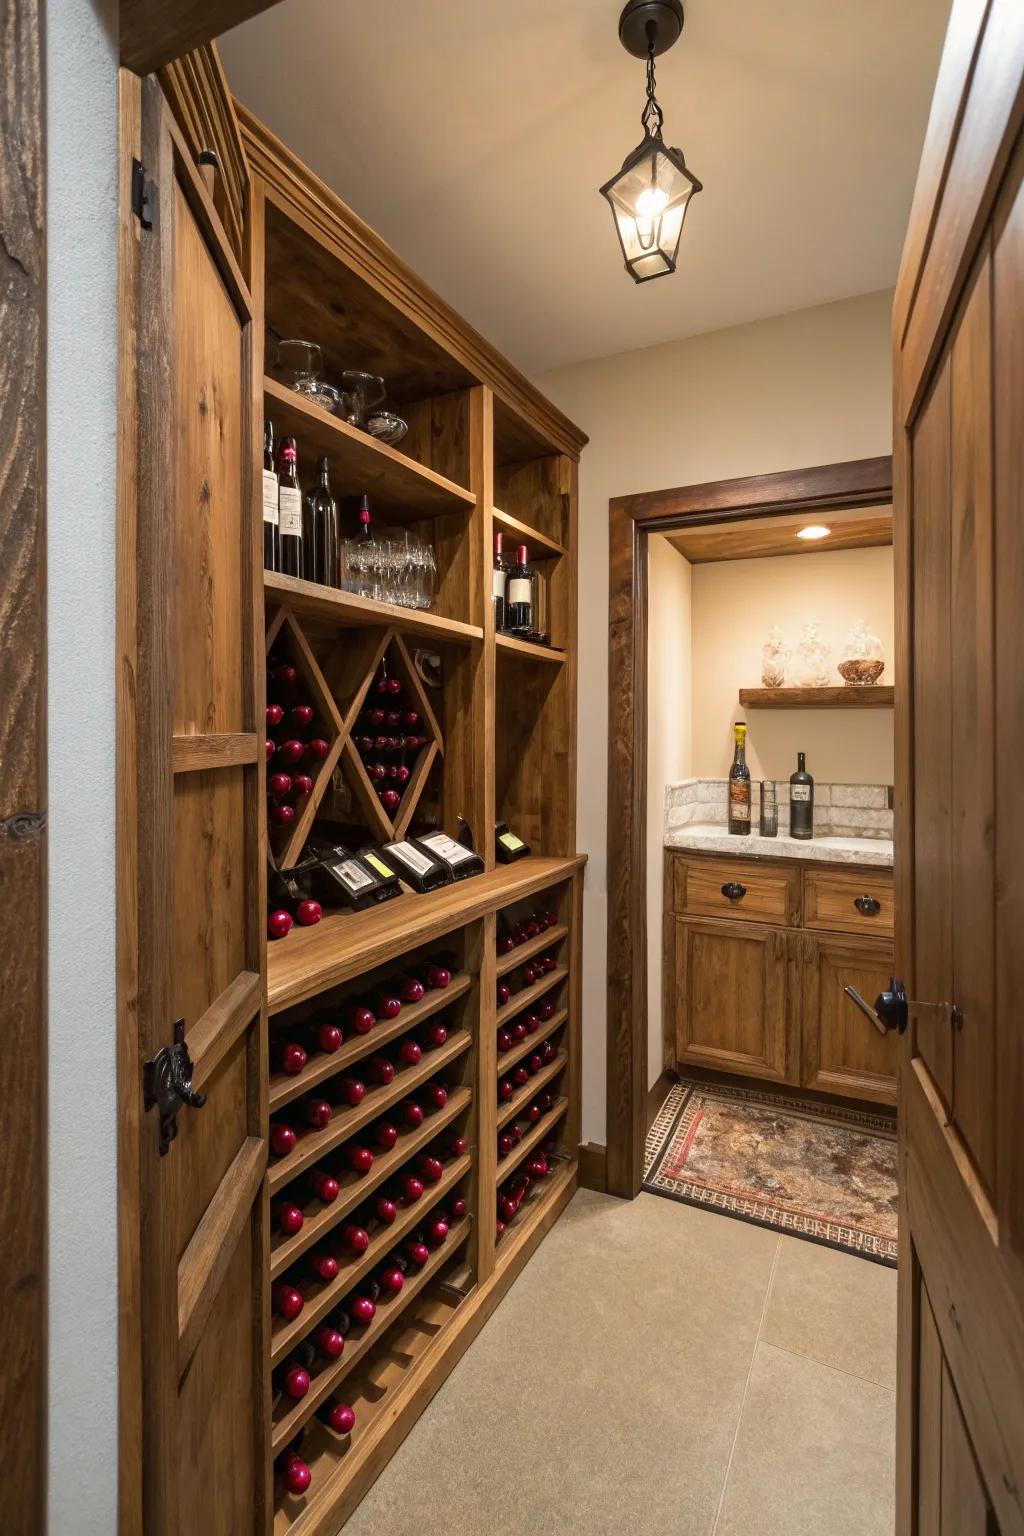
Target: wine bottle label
379,865
447,847
519,590
291,512
498,583
351,875
739,810
411,858
269,496
799,791
510,841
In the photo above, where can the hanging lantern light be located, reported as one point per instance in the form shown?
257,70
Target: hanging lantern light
649,196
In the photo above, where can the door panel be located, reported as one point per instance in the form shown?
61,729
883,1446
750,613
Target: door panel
201,888
959,523
731,997
841,1051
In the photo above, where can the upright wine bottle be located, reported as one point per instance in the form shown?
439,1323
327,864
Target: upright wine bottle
320,530
289,508
353,576
271,553
801,801
519,603
499,583
739,785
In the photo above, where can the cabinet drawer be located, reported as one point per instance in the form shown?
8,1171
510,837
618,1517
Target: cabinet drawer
847,903
757,893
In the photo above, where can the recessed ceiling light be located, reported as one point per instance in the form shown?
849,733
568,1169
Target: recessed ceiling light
815,531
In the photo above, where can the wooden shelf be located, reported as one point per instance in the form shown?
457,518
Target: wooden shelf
400,489
355,1187
290,1417
529,1091
817,698
347,610
312,1144
541,547
325,1065
522,952
347,944
323,1297
508,1059
526,650
508,1165
520,1001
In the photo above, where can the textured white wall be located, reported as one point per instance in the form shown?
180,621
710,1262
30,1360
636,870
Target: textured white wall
806,388
81,86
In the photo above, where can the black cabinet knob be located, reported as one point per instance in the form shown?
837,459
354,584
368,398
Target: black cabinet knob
733,891
867,906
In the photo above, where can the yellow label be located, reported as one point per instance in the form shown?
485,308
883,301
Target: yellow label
511,841
379,866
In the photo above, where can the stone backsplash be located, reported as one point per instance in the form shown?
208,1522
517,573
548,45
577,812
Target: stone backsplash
840,810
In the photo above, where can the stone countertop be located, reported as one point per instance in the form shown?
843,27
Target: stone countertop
708,837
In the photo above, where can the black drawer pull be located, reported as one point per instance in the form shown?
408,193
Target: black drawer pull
733,891
867,906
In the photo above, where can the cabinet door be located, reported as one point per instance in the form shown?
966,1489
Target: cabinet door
731,998
841,1050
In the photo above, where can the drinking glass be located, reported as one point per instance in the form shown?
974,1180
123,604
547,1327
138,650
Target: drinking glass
769,809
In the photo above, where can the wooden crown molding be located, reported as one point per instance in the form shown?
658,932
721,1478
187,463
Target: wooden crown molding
378,265
849,484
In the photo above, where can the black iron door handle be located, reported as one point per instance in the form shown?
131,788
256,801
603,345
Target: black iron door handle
167,1085
733,891
867,906
890,1010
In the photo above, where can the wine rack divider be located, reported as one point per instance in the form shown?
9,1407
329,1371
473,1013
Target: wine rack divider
389,1308
330,1294
508,1059
314,1144
549,939
355,1188
479,433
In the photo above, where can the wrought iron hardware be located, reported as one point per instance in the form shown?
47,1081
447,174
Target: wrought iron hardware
142,193
867,906
733,891
890,1010
167,1085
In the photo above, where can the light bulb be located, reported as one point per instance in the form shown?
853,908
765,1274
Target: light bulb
651,202
815,531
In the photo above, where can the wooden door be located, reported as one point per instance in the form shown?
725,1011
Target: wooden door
841,1052
192,795
959,474
731,997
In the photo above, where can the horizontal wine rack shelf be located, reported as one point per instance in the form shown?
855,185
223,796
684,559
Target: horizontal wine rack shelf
348,610
508,1059
514,1107
527,650
540,1132
519,1002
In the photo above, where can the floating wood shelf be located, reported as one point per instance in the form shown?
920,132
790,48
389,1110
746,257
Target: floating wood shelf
346,610
540,545
528,651
401,490
347,944
817,698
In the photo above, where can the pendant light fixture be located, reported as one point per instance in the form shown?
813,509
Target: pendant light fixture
649,196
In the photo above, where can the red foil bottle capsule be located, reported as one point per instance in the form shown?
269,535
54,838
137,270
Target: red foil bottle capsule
286,1300
337,1416
282,1138
354,1238
410,1052
288,1218
329,1342
324,1186
317,1113
295,1474
359,1159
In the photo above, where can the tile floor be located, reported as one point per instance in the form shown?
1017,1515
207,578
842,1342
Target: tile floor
661,1369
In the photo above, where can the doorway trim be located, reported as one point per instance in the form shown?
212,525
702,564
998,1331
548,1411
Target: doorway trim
631,520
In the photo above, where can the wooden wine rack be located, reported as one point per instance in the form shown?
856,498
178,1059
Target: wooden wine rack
483,453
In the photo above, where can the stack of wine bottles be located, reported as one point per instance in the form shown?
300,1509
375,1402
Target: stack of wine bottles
514,931
389,737
296,745
512,1193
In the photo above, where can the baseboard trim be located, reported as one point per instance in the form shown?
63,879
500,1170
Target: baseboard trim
657,1094
593,1167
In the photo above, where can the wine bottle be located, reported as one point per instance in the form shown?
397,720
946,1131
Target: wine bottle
320,530
499,583
801,801
739,785
337,1416
519,603
351,578
271,553
295,1473
289,508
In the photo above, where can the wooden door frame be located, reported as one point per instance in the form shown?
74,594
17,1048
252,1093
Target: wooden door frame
23,806
631,520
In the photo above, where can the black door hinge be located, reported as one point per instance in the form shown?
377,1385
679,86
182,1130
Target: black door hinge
143,192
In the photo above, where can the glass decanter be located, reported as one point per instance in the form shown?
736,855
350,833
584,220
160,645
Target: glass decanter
813,659
774,659
863,660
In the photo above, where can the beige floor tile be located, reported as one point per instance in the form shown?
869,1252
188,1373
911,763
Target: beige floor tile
603,1394
814,1453
834,1308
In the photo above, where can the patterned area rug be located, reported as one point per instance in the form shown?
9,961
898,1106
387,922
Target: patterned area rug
811,1170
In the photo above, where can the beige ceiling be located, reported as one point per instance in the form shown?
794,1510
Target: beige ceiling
473,134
